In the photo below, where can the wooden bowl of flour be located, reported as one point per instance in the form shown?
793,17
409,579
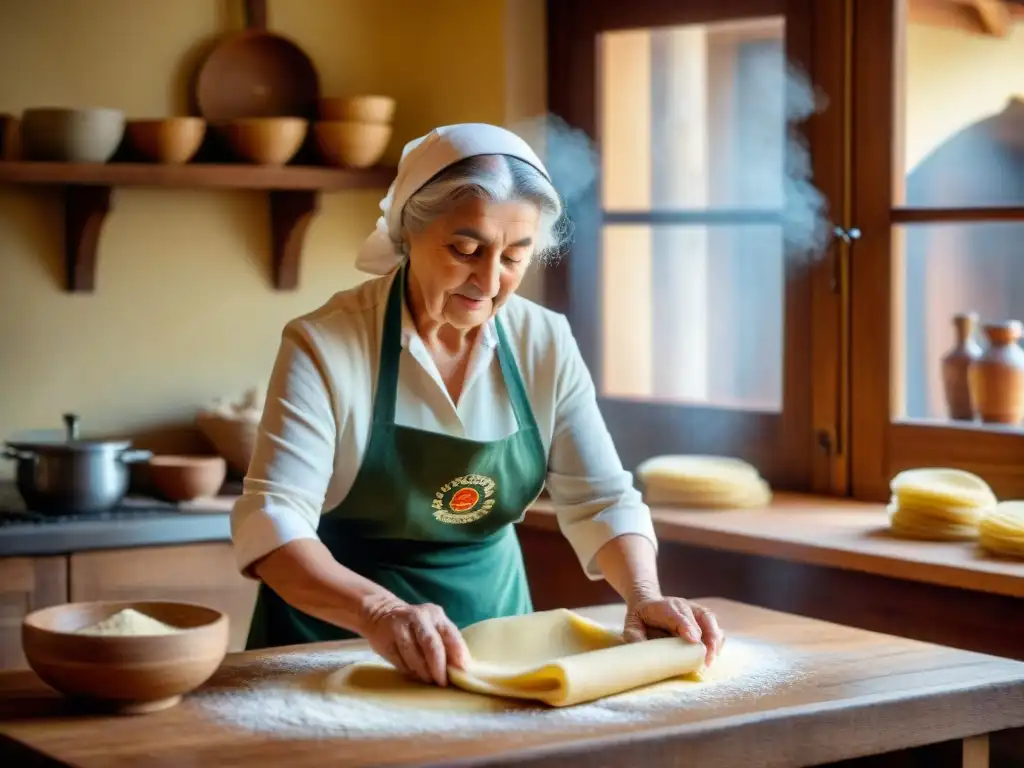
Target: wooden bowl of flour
132,657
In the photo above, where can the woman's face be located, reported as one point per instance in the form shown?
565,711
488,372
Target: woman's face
467,263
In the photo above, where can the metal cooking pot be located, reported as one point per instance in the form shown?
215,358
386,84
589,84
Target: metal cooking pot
69,474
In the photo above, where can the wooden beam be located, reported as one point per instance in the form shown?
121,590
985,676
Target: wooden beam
946,14
995,17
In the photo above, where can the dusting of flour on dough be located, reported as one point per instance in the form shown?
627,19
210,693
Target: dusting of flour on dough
745,669
284,696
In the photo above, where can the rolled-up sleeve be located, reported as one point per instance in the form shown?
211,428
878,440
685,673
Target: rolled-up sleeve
293,458
593,495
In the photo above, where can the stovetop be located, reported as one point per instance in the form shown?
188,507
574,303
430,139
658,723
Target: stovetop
135,507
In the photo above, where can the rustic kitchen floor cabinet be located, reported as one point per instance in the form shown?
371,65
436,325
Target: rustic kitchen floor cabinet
199,573
26,583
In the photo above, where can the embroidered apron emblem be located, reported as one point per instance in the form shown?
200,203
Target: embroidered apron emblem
464,500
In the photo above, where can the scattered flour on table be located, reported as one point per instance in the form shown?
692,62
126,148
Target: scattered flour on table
285,696
129,622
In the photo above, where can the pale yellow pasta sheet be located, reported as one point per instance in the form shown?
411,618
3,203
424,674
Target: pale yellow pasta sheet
562,658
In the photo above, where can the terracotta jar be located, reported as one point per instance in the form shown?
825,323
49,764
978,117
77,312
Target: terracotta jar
955,366
997,377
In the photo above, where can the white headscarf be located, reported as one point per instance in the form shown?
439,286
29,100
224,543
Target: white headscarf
422,159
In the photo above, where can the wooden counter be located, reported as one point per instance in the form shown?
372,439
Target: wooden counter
814,556
836,533
846,694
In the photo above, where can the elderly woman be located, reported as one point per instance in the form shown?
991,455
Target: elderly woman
411,421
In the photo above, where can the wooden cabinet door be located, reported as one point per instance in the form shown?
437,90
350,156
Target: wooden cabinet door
196,573
26,584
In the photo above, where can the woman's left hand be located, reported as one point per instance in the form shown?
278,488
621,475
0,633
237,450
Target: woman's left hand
675,616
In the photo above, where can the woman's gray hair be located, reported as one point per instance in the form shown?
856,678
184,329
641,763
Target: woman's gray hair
496,179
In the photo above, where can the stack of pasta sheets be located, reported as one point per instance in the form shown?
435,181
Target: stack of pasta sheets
938,504
702,482
1001,531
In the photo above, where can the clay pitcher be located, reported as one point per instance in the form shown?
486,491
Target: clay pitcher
997,377
955,366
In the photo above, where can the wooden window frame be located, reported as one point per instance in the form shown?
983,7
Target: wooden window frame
881,447
804,446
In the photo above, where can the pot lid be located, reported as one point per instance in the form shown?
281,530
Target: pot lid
68,439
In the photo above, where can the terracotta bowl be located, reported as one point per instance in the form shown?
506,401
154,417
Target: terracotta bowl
129,675
184,478
58,134
352,144
266,140
173,140
360,109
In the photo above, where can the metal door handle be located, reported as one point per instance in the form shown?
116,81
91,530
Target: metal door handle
846,235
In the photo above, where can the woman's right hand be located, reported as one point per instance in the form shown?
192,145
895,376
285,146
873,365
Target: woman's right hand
419,640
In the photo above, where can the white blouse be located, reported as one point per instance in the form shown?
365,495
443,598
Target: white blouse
319,409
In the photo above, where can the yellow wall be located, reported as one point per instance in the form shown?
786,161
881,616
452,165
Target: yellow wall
956,78
184,311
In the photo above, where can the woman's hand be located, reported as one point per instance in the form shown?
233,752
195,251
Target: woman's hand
419,640
675,616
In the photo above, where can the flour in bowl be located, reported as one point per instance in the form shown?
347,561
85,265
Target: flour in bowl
129,622
292,696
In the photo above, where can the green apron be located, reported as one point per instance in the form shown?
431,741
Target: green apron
429,516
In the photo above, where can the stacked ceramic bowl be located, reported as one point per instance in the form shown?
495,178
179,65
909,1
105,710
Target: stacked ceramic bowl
167,140
354,131
265,140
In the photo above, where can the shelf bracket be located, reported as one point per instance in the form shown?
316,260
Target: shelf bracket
291,211
85,210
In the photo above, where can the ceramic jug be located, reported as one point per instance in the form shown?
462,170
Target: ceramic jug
997,377
955,366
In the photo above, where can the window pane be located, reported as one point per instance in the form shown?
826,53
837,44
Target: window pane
942,270
693,314
962,102
694,116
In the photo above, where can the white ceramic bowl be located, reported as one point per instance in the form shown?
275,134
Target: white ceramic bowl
59,134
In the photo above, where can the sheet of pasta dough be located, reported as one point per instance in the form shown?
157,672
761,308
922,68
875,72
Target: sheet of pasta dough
561,658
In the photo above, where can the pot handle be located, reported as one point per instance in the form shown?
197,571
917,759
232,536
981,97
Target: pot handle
10,453
71,422
134,455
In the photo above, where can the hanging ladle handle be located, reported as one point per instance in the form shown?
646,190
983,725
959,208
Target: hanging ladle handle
256,14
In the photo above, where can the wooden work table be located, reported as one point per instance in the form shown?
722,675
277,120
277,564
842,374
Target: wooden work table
848,694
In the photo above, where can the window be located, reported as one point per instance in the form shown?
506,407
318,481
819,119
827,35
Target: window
938,191
692,120
686,287
708,323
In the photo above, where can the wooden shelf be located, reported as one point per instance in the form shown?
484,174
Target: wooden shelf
88,188
196,175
